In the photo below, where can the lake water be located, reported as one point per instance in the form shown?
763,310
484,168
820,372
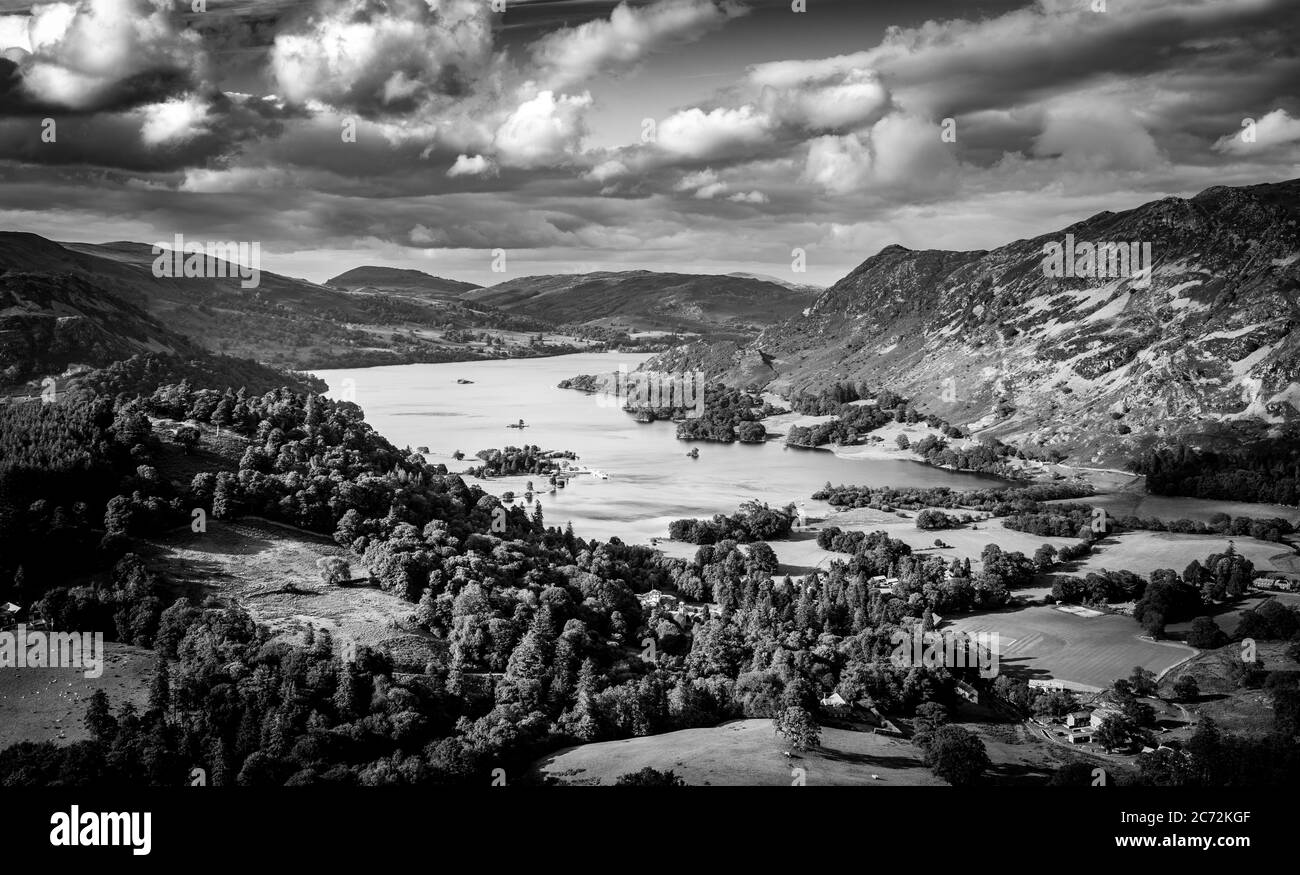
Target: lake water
651,479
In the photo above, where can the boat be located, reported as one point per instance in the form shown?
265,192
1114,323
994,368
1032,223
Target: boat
694,453
599,475
521,424
462,381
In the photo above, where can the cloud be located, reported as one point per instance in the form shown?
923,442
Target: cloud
575,54
820,95
718,133
390,57
472,166
898,152
607,170
1096,135
92,55
174,121
543,131
1277,128
748,197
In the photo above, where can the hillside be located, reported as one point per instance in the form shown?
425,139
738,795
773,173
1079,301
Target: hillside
285,322
714,305
50,324
392,279
1094,366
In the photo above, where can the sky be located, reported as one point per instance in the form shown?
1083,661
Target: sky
559,136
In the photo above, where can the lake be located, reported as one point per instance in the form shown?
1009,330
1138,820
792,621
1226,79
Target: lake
651,479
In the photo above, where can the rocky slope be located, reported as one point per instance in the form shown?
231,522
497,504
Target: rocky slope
1089,365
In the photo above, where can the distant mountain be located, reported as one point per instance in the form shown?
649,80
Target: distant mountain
642,300
393,279
1095,365
804,288
284,322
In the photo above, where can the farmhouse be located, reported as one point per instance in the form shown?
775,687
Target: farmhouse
1078,718
881,582
656,599
10,614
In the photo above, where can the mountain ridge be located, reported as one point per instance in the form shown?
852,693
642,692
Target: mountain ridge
1094,365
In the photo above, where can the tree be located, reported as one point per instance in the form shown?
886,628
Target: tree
99,718
1143,681
160,686
1205,634
903,442
188,437
929,717
334,570
957,755
1186,688
649,777
1113,732
797,726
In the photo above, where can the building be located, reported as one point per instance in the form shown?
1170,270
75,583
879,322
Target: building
10,614
1078,718
881,582
1078,736
835,702
1050,684
968,692
656,599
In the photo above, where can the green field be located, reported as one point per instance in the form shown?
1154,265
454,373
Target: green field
1087,652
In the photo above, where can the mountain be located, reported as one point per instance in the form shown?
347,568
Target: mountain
398,280
1093,366
803,288
50,324
285,322
642,300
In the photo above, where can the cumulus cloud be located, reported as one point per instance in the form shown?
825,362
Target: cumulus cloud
722,132
394,56
476,165
899,151
1103,136
1277,128
748,197
545,130
174,121
99,54
820,95
574,54
607,170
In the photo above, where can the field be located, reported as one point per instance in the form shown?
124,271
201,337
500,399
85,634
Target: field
271,571
747,752
1144,552
1087,652
1234,710
49,704
1131,502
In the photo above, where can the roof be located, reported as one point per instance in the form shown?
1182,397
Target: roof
10,607
834,699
